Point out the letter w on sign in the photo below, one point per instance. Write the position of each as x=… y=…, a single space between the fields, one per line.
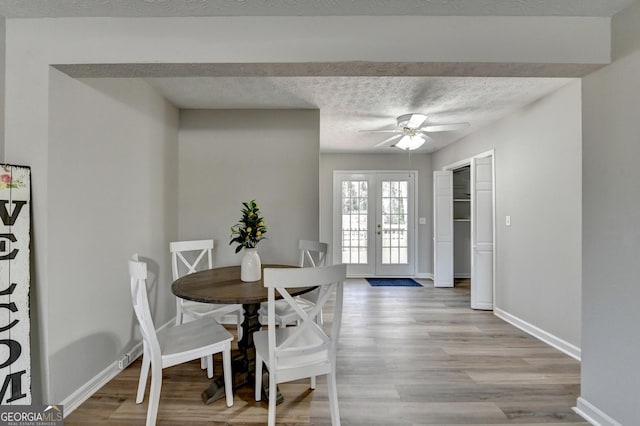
x=15 y=234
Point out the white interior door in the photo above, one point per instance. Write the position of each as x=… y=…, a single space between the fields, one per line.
x=443 y=228
x=482 y=233
x=374 y=229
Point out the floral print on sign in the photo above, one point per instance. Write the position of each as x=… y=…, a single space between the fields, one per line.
x=8 y=180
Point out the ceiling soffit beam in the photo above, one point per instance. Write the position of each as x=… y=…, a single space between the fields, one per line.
x=329 y=69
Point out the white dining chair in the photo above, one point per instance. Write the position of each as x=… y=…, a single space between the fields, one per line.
x=305 y=350
x=312 y=254
x=174 y=345
x=188 y=257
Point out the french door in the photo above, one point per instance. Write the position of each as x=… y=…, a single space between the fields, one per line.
x=374 y=222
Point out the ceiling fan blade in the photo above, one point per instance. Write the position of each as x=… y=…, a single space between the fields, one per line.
x=386 y=141
x=425 y=136
x=416 y=121
x=443 y=127
x=381 y=131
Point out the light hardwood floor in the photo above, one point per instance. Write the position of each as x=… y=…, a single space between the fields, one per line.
x=407 y=356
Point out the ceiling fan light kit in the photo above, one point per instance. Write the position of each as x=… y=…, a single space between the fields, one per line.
x=410 y=142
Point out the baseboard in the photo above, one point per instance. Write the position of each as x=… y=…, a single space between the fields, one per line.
x=593 y=415
x=85 y=392
x=424 y=276
x=461 y=275
x=562 y=345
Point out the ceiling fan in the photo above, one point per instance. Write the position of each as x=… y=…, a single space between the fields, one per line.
x=412 y=131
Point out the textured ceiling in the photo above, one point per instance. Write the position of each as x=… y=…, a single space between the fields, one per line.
x=350 y=104
x=347 y=104
x=167 y=8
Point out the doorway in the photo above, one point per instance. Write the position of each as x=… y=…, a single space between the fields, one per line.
x=462 y=222
x=464 y=227
x=374 y=222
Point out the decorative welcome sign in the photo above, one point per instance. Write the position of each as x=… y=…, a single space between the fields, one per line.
x=15 y=220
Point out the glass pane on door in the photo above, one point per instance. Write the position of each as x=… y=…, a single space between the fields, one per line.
x=355 y=205
x=395 y=222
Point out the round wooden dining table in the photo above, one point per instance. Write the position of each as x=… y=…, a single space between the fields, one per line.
x=223 y=285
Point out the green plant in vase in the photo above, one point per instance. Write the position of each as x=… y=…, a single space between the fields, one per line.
x=250 y=229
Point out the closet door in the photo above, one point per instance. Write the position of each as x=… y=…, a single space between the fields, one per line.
x=443 y=228
x=482 y=233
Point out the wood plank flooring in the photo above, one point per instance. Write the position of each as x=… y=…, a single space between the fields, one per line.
x=407 y=356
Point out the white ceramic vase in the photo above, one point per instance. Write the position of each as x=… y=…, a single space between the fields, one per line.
x=250 y=266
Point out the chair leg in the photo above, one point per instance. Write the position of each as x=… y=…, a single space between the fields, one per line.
x=154 y=394
x=333 y=398
x=179 y=315
x=210 y=366
x=226 y=368
x=273 y=397
x=144 y=374
x=258 y=378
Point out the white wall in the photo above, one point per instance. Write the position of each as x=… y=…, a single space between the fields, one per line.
x=420 y=162
x=611 y=232
x=227 y=157
x=538 y=183
x=112 y=176
x=2 y=84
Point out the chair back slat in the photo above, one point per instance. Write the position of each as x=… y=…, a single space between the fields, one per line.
x=303 y=277
x=313 y=253
x=181 y=265
x=307 y=325
x=308 y=338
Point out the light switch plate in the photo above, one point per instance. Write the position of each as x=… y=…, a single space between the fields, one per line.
x=508 y=221
x=422 y=221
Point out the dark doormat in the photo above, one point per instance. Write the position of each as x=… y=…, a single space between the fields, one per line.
x=393 y=282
